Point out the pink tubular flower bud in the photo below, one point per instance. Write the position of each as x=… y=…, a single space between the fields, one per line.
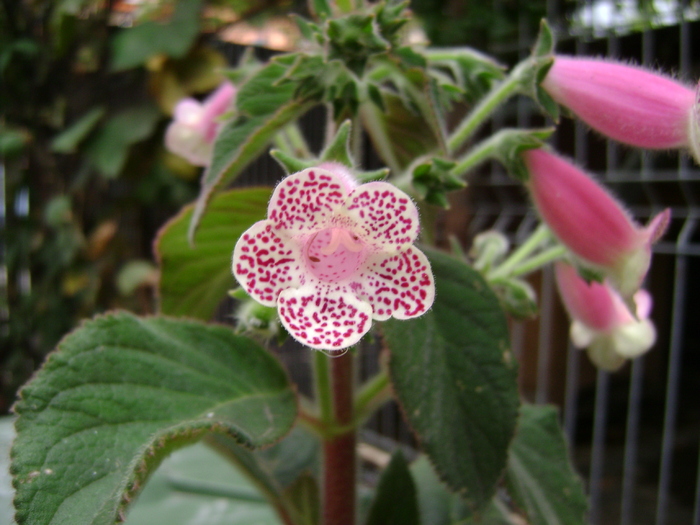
x=590 y=222
x=626 y=103
x=195 y=124
x=601 y=322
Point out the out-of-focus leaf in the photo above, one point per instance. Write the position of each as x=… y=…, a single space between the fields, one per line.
x=395 y=498
x=69 y=139
x=194 y=280
x=108 y=149
x=133 y=47
x=134 y=274
x=195 y=485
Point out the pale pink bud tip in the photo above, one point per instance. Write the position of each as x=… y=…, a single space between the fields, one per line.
x=626 y=103
x=601 y=321
x=590 y=222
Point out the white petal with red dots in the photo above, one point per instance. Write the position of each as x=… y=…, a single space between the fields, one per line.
x=266 y=264
x=383 y=216
x=306 y=201
x=401 y=285
x=328 y=321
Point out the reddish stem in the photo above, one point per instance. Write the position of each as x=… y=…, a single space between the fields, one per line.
x=339 y=452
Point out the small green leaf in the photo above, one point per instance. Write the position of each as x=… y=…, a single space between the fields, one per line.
x=119 y=394
x=68 y=140
x=434 y=179
x=291 y=164
x=395 y=501
x=517 y=296
x=540 y=476
x=455 y=378
x=194 y=280
x=511 y=143
x=544 y=46
x=133 y=47
x=320 y=8
x=338 y=150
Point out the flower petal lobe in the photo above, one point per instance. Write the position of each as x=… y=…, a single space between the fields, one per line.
x=401 y=285
x=329 y=321
x=265 y=264
x=385 y=216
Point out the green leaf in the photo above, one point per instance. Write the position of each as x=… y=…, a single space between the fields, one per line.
x=279 y=471
x=511 y=143
x=194 y=485
x=540 y=477
x=133 y=47
x=264 y=107
x=122 y=392
x=338 y=150
x=395 y=500
x=455 y=377
x=108 y=150
x=194 y=280
x=544 y=46
x=437 y=505
x=69 y=139
x=304 y=500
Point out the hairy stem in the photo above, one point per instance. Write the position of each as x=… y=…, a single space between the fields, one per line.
x=497 y=96
x=339 y=457
x=540 y=235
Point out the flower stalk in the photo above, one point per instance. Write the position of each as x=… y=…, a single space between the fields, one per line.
x=339 y=457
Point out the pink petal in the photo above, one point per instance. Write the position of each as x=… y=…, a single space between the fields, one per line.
x=385 y=217
x=265 y=264
x=401 y=285
x=627 y=103
x=596 y=305
x=188 y=142
x=324 y=320
x=305 y=202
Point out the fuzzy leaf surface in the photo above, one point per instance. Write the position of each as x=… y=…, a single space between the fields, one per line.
x=121 y=393
x=195 y=279
x=455 y=378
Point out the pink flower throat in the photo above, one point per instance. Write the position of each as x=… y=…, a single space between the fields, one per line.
x=334 y=254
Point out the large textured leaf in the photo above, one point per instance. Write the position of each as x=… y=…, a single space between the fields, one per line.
x=264 y=107
x=194 y=279
x=122 y=392
x=455 y=377
x=395 y=500
x=540 y=476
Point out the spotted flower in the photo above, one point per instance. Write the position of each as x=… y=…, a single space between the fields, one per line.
x=332 y=255
x=195 y=124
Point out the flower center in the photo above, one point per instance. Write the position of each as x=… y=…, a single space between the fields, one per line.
x=334 y=254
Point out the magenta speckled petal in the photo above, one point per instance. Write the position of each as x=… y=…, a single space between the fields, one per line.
x=401 y=285
x=306 y=201
x=384 y=216
x=266 y=264
x=324 y=320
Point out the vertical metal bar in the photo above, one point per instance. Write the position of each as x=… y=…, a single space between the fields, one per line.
x=573 y=359
x=595 y=487
x=629 y=468
x=674 y=368
x=696 y=518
